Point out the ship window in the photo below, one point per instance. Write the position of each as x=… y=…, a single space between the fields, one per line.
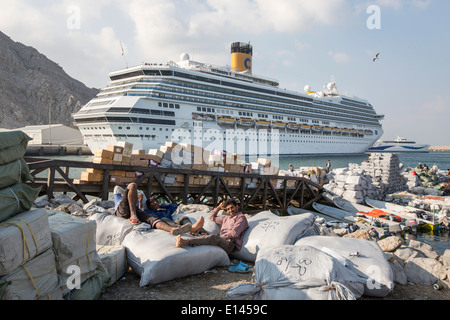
x=199 y=109
x=204 y=109
x=177 y=106
x=165 y=105
x=171 y=105
x=159 y=104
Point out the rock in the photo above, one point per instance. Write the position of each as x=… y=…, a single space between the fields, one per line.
x=406 y=253
x=41 y=202
x=76 y=210
x=358 y=234
x=397 y=266
x=390 y=244
x=423 y=247
x=445 y=259
x=424 y=271
x=31 y=84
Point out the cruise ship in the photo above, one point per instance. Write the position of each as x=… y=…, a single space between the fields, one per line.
x=399 y=145
x=225 y=108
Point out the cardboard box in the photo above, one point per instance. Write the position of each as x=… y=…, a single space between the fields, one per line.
x=138 y=151
x=102 y=160
x=117 y=157
x=102 y=153
x=91 y=177
x=120 y=173
x=126 y=160
x=115 y=149
x=94 y=170
x=127 y=147
x=265 y=162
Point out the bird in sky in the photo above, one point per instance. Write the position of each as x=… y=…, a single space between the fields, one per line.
x=376 y=57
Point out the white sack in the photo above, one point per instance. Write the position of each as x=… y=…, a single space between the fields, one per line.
x=23 y=237
x=267 y=230
x=299 y=273
x=364 y=257
x=154 y=256
x=111 y=229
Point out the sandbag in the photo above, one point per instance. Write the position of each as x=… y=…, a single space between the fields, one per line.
x=267 y=230
x=22 y=238
x=16 y=199
x=14 y=172
x=364 y=257
x=292 y=272
x=154 y=256
x=37 y=279
x=73 y=237
x=111 y=229
x=114 y=259
x=13 y=145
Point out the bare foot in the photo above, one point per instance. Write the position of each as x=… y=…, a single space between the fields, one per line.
x=182 y=242
x=196 y=227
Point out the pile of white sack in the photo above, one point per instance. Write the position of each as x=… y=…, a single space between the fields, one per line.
x=380 y=175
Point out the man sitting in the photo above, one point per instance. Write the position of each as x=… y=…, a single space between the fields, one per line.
x=129 y=206
x=231 y=233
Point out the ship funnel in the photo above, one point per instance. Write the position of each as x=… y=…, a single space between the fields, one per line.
x=241 y=57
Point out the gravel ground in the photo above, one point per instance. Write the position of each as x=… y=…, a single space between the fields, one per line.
x=214 y=284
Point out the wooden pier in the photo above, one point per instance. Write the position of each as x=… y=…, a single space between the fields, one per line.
x=302 y=193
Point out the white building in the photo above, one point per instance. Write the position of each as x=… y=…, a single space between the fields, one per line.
x=55 y=134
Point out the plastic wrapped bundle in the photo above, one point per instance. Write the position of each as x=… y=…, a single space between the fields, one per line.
x=14 y=172
x=37 y=279
x=13 y=145
x=16 y=199
x=22 y=238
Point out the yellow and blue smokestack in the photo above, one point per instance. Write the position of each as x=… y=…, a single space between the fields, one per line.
x=241 y=57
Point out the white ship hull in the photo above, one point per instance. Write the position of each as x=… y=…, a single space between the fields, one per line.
x=194 y=103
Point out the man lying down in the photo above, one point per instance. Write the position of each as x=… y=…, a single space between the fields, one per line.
x=129 y=205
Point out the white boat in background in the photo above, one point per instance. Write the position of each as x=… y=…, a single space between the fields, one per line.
x=398 y=145
x=425 y=219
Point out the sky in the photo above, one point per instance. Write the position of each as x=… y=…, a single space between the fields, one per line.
x=297 y=42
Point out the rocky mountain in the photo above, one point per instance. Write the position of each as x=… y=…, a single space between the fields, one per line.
x=30 y=84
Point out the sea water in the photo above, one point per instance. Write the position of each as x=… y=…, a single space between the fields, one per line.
x=439 y=240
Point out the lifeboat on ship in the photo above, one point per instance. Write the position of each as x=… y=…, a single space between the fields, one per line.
x=278 y=125
x=246 y=122
x=226 y=121
x=305 y=127
x=316 y=128
x=293 y=126
x=262 y=123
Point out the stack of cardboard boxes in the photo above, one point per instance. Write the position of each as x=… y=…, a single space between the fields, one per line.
x=180 y=156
